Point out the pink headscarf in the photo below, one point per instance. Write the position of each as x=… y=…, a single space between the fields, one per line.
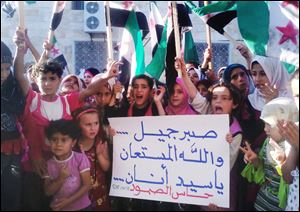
x=184 y=108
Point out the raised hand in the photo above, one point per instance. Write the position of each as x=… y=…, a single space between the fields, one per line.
x=180 y=66
x=229 y=138
x=250 y=155
x=290 y=132
x=269 y=92
x=159 y=93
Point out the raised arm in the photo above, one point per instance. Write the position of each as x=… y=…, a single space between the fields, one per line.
x=113 y=71
x=159 y=93
x=19 y=40
x=191 y=89
x=33 y=50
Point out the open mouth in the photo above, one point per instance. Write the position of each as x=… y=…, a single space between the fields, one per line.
x=218 y=110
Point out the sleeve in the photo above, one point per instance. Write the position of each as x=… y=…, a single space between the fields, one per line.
x=255 y=175
x=234 y=149
x=84 y=164
x=200 y=104
x=28 y=101
x=73 y=100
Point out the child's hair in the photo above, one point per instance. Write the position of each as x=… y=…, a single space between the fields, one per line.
x=205 y=82
x=83 y=110
x=63 y=126
x=47 y=66
x=234 y=92
x=145 y=77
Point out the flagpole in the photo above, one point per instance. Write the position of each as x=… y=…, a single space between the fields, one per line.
x=51 y=32
x=176 y=31
x=21 y=19
x=208 y=40
x=226 y=35
x=108 y=31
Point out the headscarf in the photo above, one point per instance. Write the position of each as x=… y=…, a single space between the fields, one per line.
x=6 y=55
x=92 y=71
x=80 y=85
x=227 y=75
x=110 y=82
x=276 y=74
x=184 y=108
x=280 y=108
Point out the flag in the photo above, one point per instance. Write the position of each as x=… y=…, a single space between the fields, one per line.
x=184 y=23
x=158 y=31
x=156 y=26
x=216 y=15
x=9 y=7
x=119 y=16
x=132 y=50
x=271 y=29
x=157 y=65
x=189 y=48
x=56 y=54
x=58 y=10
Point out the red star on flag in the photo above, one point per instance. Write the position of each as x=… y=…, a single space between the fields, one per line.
x=54 y=51
x=289 y=32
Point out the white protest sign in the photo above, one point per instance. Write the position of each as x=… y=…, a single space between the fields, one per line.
x=181 y=159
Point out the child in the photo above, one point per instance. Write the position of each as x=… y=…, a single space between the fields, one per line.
x=222 y=99
x=12 y=105
x=68 y=179
x=270 y=79
x=89 y=74
x=87 y=118
x=178 y=102
x=70 y=83
x=265 y=168
x=203 y=86
x=43 y=107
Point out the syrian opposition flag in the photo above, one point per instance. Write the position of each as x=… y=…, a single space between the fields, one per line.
x=189 y=49
x=216 y=15
x=58 y=10
x=132 y=50
x=185 y=24
x=158 y=31
x=119 y=16
x=56 y=54
x=156 y=26
x=271 y=28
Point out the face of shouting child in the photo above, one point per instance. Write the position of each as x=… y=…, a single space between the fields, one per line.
x=141 y=93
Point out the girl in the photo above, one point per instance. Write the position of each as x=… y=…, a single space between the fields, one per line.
x=89 y=74
x=265 y=168
x=12 y=106
x=225 y=99
x=222 y=99
x=69 y=172
x=70 y=83
x=203 y=86
x=270 y=79
x=178 y=101
x=87 y=118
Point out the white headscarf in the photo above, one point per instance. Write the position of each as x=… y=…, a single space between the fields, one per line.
x=278 y=109
x=110 y=82
x=276 y=74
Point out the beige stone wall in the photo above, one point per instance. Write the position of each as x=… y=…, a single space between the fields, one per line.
x=37 y=20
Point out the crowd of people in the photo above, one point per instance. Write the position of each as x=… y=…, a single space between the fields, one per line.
x=57 y=144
